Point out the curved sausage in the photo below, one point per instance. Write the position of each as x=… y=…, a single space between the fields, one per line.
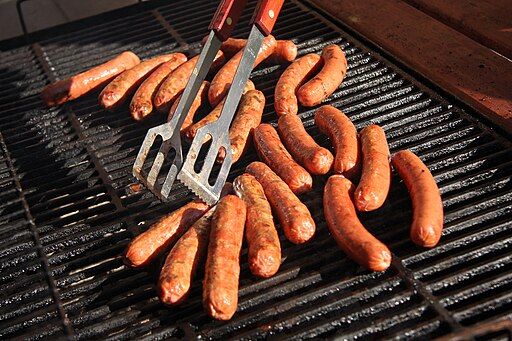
x=294 y=217
x=285 y=100
x=222 y=80
x=343 y=136
x=247 y=118
x=317 y=160
x=375 y=180
x=142 y=102
x=427 y=206
x=176 y=82
x=87 y=81
x=264 y=248
x=347 y=230
x=148 y=245
x=327 y=80
x=201 y=98
x=274 y=154
x=222 y=269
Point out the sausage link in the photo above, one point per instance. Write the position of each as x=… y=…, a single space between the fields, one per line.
x=327 y=80
x=201 y=98
x=317 y=160
x=148 y=245
x=285 y=100
x=294 y=217
x=87 y=81
x=427 y=206
x=142 y=102
x=343 y=136
x=347 y=230
x=222 y=80
x=222 y=270
x=264 y=253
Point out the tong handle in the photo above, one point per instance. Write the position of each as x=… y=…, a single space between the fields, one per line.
x=226 y=17
x=266 y=14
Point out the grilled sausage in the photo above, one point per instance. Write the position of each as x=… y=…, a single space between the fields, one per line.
x=247 y=118
x=293 y=215
x=222 y=80
x=181 y=263
x=375 y=180
x=427 y=206
x=176 y=82
x=201 y=98
x=343 y=135
x=302 y=147
x=347 y=230
x=285 y=99
x=148 y=245
x=87 y=81
x=264 y=254
x=327 y=80
x=220 y=289
x=274 y=154
x=142 y=102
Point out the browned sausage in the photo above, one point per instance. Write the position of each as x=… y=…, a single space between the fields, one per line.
x=201 y=98
x=222 y=80
x=302 y=147
x=148 y=245
x=264 y=253
x=176 y=82
x=274 y=154
x=285 y=99
x=87 y=81
x=427 y=206
x=293 y=215
x=247 y=118
x=343 y=135
x=181 y=263
x=220 y=288
x=191 y=132
x=347 y=230
x=375 y=180
x=327 y=80
x=142 y=102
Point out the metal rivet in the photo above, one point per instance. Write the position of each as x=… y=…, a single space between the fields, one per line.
x=271 y=14
x=229 y=21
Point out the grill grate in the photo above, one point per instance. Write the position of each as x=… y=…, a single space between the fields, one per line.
x=67 y=210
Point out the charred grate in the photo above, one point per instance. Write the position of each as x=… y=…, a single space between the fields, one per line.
x=67 y=210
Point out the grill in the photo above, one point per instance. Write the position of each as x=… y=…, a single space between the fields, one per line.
x=67 y=210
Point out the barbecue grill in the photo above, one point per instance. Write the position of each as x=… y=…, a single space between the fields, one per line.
x=68 y=206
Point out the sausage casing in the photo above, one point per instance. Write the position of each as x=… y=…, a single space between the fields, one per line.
x=201 y=98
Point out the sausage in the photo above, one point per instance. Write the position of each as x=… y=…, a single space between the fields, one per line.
x=88 y=81
x=347 y=230
x=222 y=270
x=317 y=160
x=264 y=248
x=148 y=245
x=247 y=118
x=142 y=102
x=176 y=82
x=124 y=85
x=343 y=136
x=191 y=132
x=201 y=98
x=274 y=154
x=427 y=206
x=285 y=99
x=294 y=217
x=327 y=80
x=222 y=80
x=375 y=180
x=181 y=263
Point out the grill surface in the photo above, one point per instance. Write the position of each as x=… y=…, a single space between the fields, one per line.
x=67 y=210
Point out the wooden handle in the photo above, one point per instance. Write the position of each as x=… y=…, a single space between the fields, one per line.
x=226 y=17
x=266 y=14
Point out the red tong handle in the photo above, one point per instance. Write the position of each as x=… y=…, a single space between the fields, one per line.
x=266 y=14
x=226 y=17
